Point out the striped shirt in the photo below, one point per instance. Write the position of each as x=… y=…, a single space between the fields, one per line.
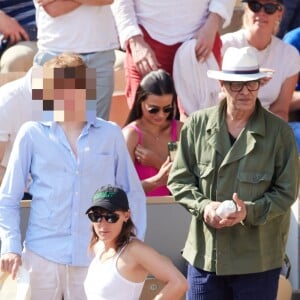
x=22 y=10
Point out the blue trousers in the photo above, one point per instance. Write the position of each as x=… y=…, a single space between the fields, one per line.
x=209 y=286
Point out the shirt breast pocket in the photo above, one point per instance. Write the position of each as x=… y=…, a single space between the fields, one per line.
x=99 y=165
x=252 y=185
x=204 y=172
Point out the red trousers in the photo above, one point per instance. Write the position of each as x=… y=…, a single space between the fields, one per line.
x=165 y=55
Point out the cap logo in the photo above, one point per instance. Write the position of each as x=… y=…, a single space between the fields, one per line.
x=104 y=194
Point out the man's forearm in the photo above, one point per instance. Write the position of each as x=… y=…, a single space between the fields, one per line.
x=60 y=7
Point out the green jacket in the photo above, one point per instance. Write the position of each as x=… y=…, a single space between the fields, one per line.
x=262 y=166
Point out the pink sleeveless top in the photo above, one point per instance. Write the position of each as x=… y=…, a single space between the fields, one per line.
x=147 y=171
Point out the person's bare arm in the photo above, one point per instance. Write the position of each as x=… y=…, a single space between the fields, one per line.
x=205 y=36
x=162 y=268
x=281 y=106
x=295 y=104
x=143 y=56
x=56 y=8
x=95 y=2
x=10 y=28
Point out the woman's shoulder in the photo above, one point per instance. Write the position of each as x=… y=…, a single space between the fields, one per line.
x=131 y=131
x=135 y=246
x=284 y=48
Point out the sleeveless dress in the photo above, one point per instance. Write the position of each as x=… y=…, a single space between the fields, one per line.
x=148 y=171
x=104 y=282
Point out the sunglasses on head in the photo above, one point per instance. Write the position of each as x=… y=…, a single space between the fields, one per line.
x=269 y=8
x=155 y=109
x=97 y=217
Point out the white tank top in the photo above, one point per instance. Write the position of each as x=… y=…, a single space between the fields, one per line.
x=104 y=282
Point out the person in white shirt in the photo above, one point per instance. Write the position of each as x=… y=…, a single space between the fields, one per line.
x=121 y=261
x=64 y=158
x=85 y=27
x=15 y=109
x=261 y=21
x=152 y=31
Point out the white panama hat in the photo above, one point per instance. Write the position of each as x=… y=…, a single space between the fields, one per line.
x=239 y=64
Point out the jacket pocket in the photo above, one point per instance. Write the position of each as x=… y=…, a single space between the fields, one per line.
x=252 y=185
x=204 y=172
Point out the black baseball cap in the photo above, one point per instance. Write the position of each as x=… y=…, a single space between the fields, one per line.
x=110 y=198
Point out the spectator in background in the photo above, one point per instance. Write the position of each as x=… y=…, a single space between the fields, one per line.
x=15 y=109
x=85 y=27
x=149 y=128
x=18 y=34
x=58 y=232
x=261 y=19
x=122 y=262
x=152 y=31
x=293 y=38
x=240 y=151
x=291 y=17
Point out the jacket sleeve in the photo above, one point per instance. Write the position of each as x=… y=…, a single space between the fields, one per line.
x=283 y=191
x=183 y=179
x=126 y=20
x=127 y=178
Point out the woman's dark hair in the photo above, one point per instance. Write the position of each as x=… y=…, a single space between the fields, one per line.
x=128 y=230
x=157 y=83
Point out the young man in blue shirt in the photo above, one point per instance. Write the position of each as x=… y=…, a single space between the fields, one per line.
x=67 y=159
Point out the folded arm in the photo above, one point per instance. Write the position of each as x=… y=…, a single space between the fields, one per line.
x=280 y=107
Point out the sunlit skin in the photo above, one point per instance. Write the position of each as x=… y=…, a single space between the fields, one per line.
x=108 y=232
x=154 y=125
x=159 y=118
x=262 y=22
x=156 y=133
x=137 y=259
x=241 y=104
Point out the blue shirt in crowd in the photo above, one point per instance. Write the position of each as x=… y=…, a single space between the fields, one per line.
x=62 y=186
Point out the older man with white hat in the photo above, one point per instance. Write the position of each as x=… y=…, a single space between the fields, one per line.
x=236 y=151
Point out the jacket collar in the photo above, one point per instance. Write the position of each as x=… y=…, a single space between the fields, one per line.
x=217 y=133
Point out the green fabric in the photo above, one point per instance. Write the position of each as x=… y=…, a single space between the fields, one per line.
x=262 y=166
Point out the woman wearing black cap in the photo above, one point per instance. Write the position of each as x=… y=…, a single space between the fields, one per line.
x=122 y=262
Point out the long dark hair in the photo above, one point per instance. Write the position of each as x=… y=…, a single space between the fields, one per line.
x=157 y=83
x=127 y=232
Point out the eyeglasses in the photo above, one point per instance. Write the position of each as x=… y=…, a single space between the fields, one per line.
x=97 y=217
x=269 y=8
x=237 y=86
x=156 y=109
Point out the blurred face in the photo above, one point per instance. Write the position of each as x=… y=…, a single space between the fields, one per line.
x=263 y=14
x=62 y=97
x=241 y=96
x=156 y=109
x=109 y=224
x=69 y=103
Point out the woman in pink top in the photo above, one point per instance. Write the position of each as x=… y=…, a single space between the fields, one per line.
x=149 y=128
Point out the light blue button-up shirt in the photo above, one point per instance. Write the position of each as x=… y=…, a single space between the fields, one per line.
x=62 y=187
